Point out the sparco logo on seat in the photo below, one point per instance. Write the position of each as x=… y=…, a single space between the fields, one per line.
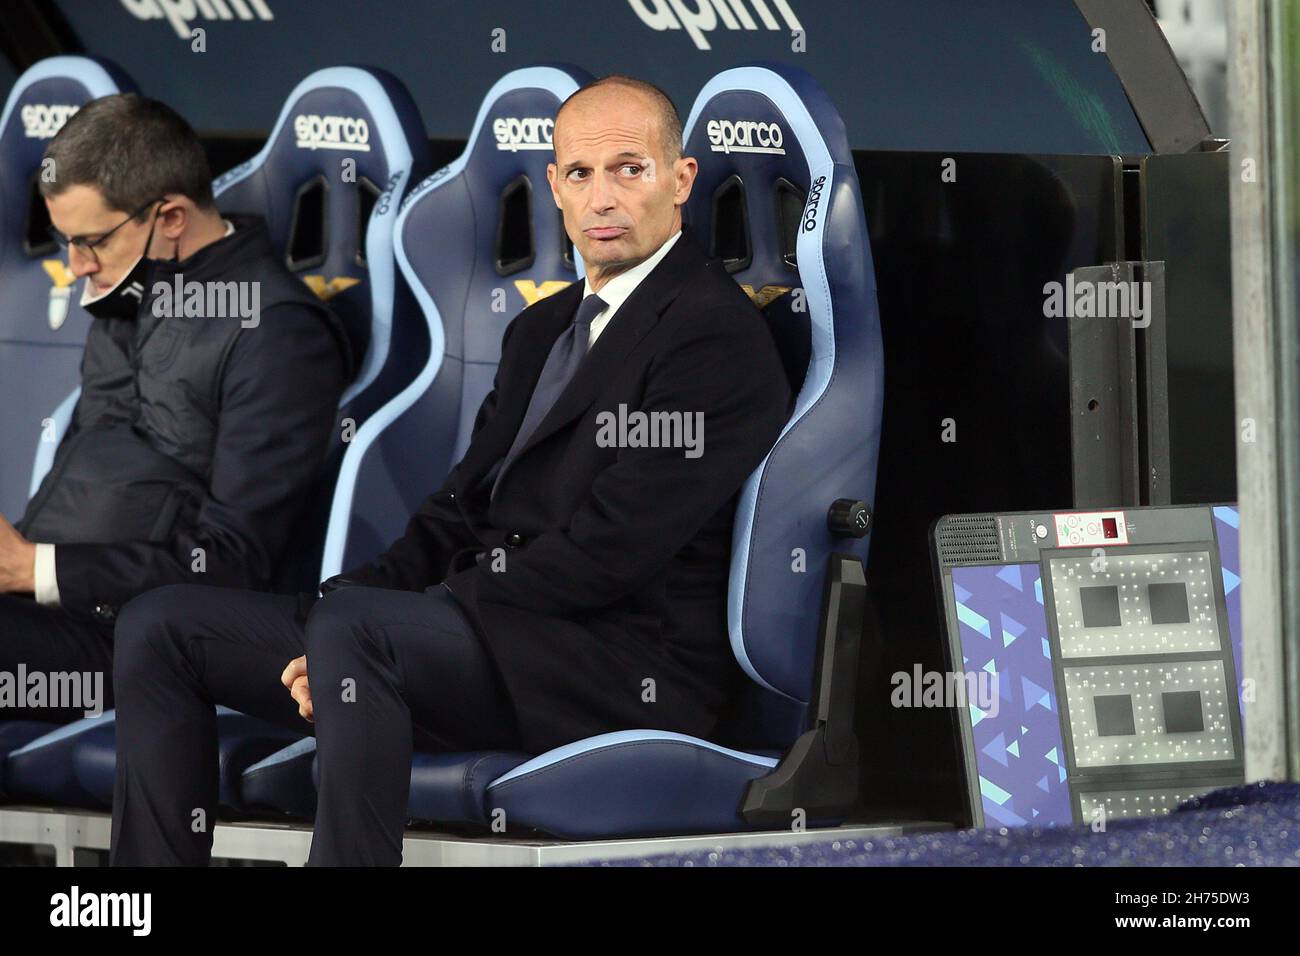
x=41 y=121
x=814 y=199
x=745 y=136
x=331 y=132
x=529 y=132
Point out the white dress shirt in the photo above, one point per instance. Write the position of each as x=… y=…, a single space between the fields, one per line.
x=615 y=292
x=45 y=573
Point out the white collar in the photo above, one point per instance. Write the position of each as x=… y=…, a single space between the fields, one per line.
x=230 y=228
x=615 y=292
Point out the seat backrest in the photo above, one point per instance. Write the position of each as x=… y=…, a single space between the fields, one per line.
x=477 y=241
x=777 y=198
x=329 y=182
x=42 y=329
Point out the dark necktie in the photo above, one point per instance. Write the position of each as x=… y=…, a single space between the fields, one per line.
x=561 y=364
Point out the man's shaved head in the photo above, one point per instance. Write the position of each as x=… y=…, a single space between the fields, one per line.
x=670 y=123
x=619 y=175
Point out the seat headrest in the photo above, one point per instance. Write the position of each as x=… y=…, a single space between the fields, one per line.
x=487 y=222
x=764 y=136
x=39 y=104
x=329 y=183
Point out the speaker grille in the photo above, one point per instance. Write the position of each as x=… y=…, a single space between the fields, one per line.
x=969 y=539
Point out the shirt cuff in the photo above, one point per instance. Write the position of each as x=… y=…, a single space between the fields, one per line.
x=47 y=580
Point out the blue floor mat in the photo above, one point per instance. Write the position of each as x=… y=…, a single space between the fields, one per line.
x=1252 y=825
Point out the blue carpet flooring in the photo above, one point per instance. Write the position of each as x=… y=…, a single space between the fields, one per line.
x=1252 y=825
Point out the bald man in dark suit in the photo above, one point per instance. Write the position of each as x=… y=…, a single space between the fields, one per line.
x=577 y=556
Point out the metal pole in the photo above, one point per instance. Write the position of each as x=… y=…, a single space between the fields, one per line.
x=1266 y=346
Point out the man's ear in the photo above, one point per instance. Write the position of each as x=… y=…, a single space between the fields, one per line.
x=173 y=217
x=685 y=170
x=551 y=170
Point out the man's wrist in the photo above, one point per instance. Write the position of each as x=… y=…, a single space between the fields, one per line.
x=27 y=560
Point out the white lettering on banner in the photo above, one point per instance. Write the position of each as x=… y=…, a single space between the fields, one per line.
x=180 y=13
x=700 y=17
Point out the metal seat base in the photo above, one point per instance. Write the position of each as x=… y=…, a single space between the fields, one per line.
x=68 y=831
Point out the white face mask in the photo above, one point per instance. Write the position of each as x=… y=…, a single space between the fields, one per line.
x=123 y=300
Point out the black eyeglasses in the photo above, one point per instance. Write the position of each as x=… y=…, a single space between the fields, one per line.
x=87 y=246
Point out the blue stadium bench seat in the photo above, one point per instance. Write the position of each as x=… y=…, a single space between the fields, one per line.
x=42 y=327
x=329 y=182
x=40 y=770
x=782 y=206
x=778 y=199
x=477 y=241
x=334 y=224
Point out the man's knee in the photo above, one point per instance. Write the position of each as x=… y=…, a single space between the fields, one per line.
x=337 y=623
x=148 y=624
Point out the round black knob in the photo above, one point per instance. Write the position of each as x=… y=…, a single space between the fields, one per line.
x=849 y=518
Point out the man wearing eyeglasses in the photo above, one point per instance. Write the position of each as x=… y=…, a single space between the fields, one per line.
x=195 y=437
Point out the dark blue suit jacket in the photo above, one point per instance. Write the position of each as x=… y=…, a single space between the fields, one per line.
x=605 y=608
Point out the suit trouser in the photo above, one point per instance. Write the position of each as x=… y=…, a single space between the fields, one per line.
x=50 y=641
x=386 y=669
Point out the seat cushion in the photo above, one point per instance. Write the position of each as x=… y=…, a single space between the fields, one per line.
x=15 y=734
x=74 y=765
x=451 y=787
x=445 y=788
x=283 y=781
x=630 y=783
x=241 y=741
x=43 y=768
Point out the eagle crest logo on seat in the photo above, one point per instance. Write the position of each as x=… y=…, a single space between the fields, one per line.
x=60 y=291
x=533 y=292
x=766 y=295
x=327 y=289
